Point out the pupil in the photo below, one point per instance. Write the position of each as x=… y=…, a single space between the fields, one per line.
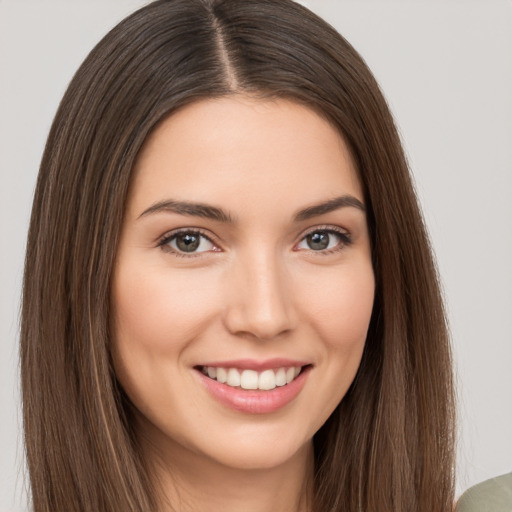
x=187 y=242
x=318 y=240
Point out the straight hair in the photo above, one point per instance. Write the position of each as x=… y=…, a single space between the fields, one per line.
x=388 y=446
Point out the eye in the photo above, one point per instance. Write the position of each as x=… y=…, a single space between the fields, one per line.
x=187 y=242
x=324 y=240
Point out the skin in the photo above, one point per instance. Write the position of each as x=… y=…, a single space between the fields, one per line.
x=257 y=290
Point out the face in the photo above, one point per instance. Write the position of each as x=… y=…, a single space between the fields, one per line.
x=243 y=285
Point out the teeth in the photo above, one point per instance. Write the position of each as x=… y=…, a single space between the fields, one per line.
x=267 y=380
x=251 y=379
x=233 y=378
x=222 y=375
x=281 y=377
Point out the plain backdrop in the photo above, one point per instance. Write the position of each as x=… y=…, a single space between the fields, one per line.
x=445 y=67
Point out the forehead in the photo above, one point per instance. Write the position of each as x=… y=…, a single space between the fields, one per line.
x=237 y=150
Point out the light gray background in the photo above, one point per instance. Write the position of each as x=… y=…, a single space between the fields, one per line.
x=446 y=69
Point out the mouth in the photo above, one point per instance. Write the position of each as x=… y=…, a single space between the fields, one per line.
x=250 y=379
x=254 y=387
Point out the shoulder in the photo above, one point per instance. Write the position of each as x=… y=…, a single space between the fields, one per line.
x=494 y=495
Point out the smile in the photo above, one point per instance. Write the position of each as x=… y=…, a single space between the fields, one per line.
x=251 y=379
x=254 y=387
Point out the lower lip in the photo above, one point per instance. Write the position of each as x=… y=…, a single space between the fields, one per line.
x=255 y=401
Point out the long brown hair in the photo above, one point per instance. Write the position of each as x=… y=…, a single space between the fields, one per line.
x=389 y=444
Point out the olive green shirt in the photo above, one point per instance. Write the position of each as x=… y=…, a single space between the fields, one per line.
x=494 y=495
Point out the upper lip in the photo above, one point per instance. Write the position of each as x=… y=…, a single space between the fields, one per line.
x=257 y=365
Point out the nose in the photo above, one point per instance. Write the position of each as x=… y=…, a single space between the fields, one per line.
x=260 y=301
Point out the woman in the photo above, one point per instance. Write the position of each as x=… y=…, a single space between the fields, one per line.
x=228 y=283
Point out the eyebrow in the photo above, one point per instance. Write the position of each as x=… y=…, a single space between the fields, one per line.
x=207 y=211
x=329 y=206
x=190 y=209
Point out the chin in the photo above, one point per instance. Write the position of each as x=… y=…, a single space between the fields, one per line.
x=261 y=456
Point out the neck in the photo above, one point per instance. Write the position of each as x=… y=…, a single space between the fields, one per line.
x=191 y=483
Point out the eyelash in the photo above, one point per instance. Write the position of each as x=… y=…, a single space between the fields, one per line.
x=345 y=240
x=169 y=237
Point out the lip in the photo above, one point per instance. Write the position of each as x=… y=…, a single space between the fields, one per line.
x=253 y=364
x=254 y=401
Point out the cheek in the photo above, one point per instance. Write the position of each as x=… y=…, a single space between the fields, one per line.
x=342 y=316
x=157 y=314
x=159 y=311
x=341 y=308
